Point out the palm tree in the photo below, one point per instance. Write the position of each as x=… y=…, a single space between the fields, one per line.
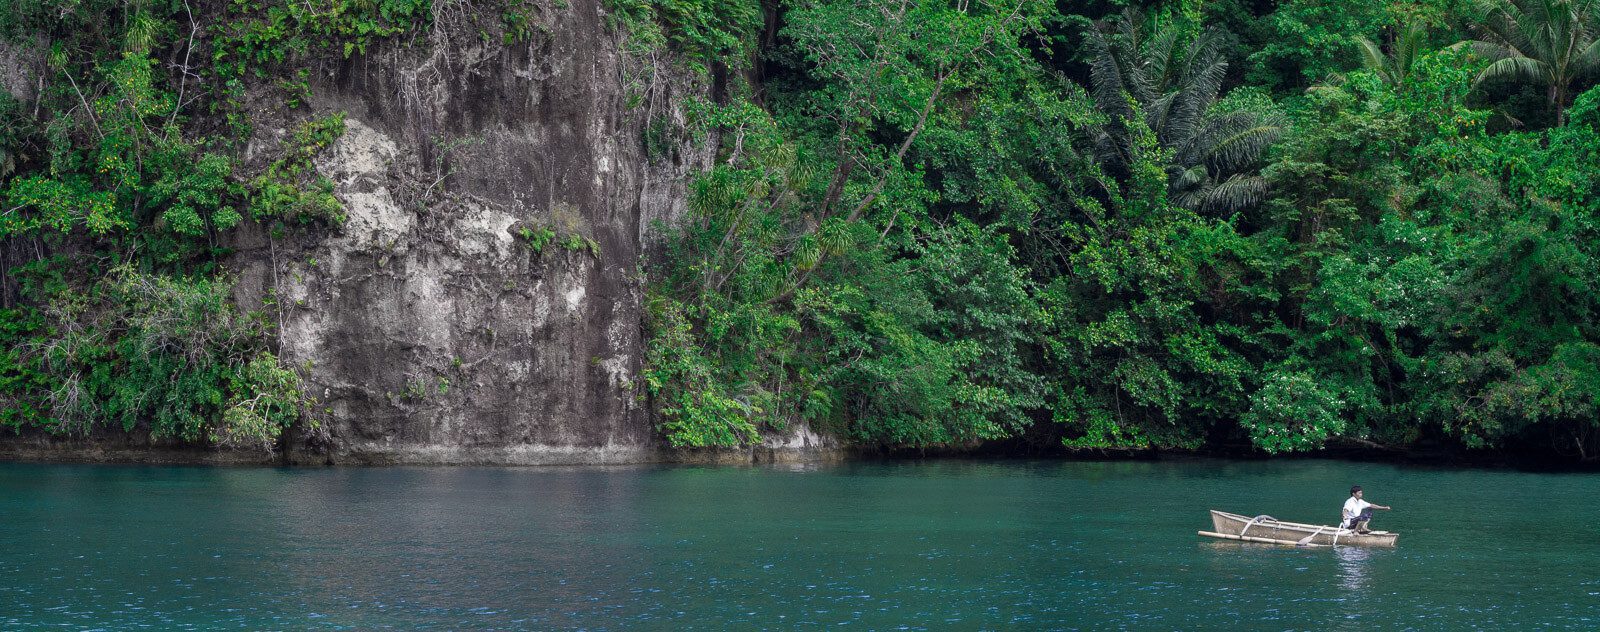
x=1542 y=41
x=1172 y=86
x=1407 y=47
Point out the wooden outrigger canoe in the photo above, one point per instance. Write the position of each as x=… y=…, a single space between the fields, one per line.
x=1269 y=530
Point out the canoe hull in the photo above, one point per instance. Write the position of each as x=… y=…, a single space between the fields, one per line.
x=1235 y=527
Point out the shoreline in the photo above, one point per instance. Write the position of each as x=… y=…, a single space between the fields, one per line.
x=128 y=451
x=122 y=449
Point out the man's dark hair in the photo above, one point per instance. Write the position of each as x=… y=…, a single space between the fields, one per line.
x=1354 y=489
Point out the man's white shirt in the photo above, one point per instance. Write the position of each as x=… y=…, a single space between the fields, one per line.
x=1353 y=507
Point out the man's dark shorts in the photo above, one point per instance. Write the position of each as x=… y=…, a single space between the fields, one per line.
x=1366 y=514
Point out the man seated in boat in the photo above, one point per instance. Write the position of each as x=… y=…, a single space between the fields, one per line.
x=1357 y=512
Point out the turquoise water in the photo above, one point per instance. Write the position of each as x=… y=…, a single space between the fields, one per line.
x=943 y=545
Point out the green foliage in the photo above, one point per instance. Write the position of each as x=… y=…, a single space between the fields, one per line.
x=135 y=350
x=1292 y=412
x=1167 y=85
x=932 y=352
x=269 y=399
x=928 y=223
x=578 y=243
x=290 y=188
x=1547 y=42
x=536 y=237
x=1312 y=40
x=299 y=88
x=698 y=410
x=811 y=283
x=119 y=182
x=259 y=34
x=938 y=249
x=42 y=203
x=1421 y=313
x=704 y=31
x=1396 y=67
x=1151 y=326
x=123 y=172
x=519 y=21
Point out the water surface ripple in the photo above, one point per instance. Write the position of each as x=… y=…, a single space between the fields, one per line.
x=940 y=545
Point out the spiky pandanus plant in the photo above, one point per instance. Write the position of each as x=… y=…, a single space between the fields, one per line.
x=1540 y=41
x=1170 y=84
x=1393 y=69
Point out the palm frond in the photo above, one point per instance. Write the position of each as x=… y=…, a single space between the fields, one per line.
x=1372 y=57
x=1158 y=115
x=1207 y=68
x=1515 y=69
x=1491 y=50
x=1107 y=84
x=1162 y=59
x=1588 y=60
x=1188 y=179
x=1408 y=49
x=1513 y=26
x=1235 y=193
x=1108 y=147
x=1243 y=146
x=1171 y=87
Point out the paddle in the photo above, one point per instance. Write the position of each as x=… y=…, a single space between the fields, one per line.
x=1307 y=540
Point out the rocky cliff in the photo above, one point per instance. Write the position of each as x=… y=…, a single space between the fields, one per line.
x=482 y=301
x=432 y=333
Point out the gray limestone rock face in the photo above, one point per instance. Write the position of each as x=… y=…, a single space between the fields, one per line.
x=428 y=329
x=22 y=68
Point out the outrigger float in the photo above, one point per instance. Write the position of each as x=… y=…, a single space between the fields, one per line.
x=1269 y=530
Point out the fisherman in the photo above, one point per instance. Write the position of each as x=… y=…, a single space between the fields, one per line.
x=1358 y=512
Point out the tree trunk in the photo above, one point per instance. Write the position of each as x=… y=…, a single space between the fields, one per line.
x=1558 y=101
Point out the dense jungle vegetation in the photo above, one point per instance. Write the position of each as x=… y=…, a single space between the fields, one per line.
x=1147 y=225
x=1175 y=224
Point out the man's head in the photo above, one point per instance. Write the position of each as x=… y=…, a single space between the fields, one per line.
x=1355 y=490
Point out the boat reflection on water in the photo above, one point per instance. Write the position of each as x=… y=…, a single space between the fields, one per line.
x=1353 y=567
